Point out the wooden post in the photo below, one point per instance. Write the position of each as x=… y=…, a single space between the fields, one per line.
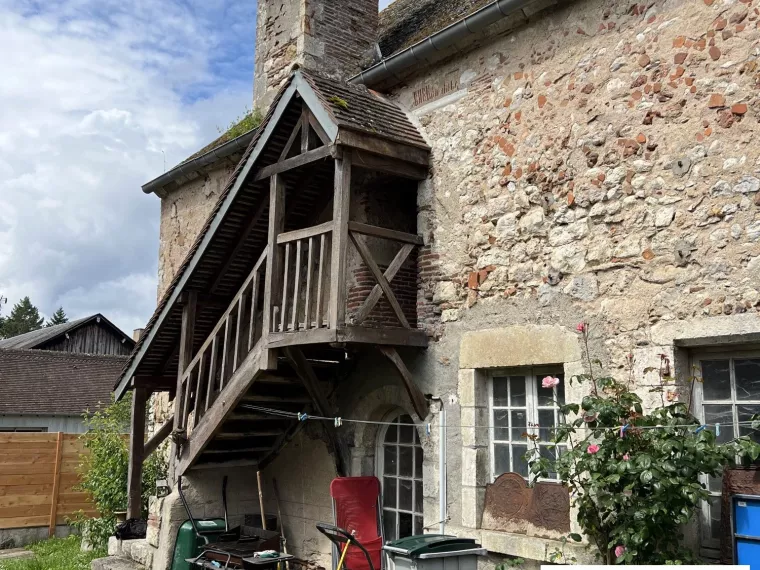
x=341 y=212
x=272 y=282
x=187 y=334
x=136 y=453
x=56 y=484
x=261 y=501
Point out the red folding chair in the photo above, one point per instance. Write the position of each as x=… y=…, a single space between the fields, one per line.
x=356 y=508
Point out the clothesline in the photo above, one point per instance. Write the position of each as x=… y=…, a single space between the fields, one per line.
x=339 y=421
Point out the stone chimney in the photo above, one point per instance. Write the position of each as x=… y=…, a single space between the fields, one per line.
x=137 y=333
x=329 y=36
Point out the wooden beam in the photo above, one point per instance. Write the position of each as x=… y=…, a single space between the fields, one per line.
x=157 y=439
x=366 y=255
x=136 y=449
x=155 y=383
x=295 y=162
x=304 y=233
x=415 y=394
x=393 y=336
x=226 y=402
x=389 y=165
x=56 y=485
x=385 y=147
x=384 y=233
x=377 y=290
x=272 y=283
x=311 y=336
x=305 y=114
x=341 y=213
x=291 y=140
x=187 y=334
x=310 y=381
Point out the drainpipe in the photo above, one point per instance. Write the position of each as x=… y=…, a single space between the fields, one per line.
x=442 y=468
x=392 y=67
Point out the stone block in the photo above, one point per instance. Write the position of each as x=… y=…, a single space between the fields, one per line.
x=520 y=545
x=523 y=345
x=473 y=499
x=476 y=470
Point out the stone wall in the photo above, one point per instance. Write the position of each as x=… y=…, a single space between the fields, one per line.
x=326 y=36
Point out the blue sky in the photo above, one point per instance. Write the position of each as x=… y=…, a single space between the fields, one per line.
x=96 y=96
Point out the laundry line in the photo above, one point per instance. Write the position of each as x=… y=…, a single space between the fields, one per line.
x=339 y=421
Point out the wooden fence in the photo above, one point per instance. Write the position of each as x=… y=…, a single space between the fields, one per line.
x=38 y=476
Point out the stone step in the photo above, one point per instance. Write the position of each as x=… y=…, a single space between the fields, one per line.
x=15 y=553
x=115 y=563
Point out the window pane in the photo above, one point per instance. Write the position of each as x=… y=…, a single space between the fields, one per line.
x=405 y=460
x=747 y=379
x=389 y=458
x=418 y=462
x=517 y=390
x=405 y=525
x=418 y=525
x=717 y=380
x=715 y=484
x=405 y=494
x=519 y=425
x=389 y=492
x=545 y=424
x=500 y=397
x=721 y=414
x=549 y=453
x=715 y=509
x=545 y=395
x=391 y=436
x=406 y=433
x=521 y=465
x=745 y=413
x=389 y=525
x=501 y=459
x=501 y=423
x=418 y=497
x=560 y=389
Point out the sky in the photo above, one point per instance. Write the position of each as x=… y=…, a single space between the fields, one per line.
x=98 y=97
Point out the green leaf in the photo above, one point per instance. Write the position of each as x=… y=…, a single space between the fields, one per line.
x=646 y=477
x=576 y=537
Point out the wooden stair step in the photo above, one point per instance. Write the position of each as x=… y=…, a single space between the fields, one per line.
x=275 y=399
x=249 y=434
x=239 y=450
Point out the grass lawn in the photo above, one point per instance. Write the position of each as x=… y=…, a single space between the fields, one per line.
x=55 y=554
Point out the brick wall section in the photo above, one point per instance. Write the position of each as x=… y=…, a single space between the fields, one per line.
x=347 y=29
x=404 y=286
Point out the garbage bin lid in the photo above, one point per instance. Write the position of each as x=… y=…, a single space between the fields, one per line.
x=421 y=544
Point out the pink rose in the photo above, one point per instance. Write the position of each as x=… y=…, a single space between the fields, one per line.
x=549 y=382
x=593 y=449
x=619 y=551
x=626 y=457
x=581 y=327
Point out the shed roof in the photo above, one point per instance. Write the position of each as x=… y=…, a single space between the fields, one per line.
x=337 y=106
x=53 y=383
x=40 y=337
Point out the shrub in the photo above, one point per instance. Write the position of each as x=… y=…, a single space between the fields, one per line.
x=103 y=471
x=635 y=476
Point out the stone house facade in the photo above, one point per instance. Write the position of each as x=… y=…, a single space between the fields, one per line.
x=593 y=160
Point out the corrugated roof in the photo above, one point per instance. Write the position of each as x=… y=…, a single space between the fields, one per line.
x=46 y=382
x=406 y=22
x=40 y=337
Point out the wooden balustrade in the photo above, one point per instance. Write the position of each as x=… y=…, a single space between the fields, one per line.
x=306 y=279
x=233 y=337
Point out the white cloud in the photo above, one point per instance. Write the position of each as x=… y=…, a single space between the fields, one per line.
x=94 y=94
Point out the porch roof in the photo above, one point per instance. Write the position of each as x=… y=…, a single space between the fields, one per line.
x=225 y=248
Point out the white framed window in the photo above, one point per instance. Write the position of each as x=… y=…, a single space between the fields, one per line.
x=399 y=468
x=727 y=393
x=520 y=407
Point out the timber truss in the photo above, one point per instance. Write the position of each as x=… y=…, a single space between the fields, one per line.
x=258 y=317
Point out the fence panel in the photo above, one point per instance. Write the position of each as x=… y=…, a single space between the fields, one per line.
x=38 y=479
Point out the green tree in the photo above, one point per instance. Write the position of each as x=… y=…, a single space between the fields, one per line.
x=23 y=318
x=103 y=471
x=58 y=318
x=635 y=476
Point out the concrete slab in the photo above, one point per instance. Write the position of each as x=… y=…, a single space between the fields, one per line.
x=15 y=553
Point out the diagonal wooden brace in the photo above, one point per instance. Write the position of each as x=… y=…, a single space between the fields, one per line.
x=419 y=402
x=383 y=285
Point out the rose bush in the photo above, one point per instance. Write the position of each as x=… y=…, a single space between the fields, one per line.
x=634 y=476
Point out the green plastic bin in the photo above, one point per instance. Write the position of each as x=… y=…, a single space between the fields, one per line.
x=188 y=545
x=432 y=552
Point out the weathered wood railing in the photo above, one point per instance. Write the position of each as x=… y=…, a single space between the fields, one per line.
x=233 y=337
x=408 y=243
x=306 y=279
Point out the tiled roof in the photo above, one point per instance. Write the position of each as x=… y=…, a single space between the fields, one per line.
x=406 y=22
x=56 y=383
x=357 y=108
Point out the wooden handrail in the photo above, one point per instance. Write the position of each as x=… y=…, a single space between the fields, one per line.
x=223 y=319
x=305 y=233
x=385 y=233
